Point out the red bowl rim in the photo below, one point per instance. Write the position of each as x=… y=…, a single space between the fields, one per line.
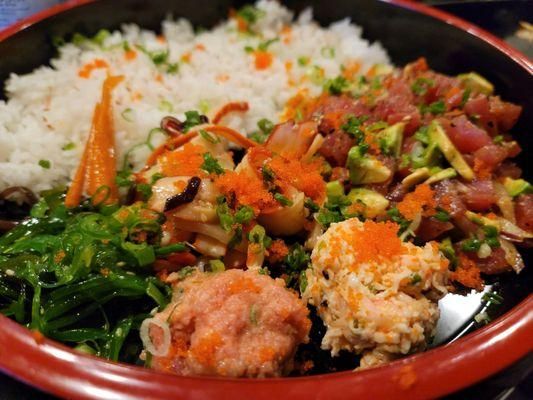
x=58 y=369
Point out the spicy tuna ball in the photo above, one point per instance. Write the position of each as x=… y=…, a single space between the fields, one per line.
x=232 y=323
x=376 y=294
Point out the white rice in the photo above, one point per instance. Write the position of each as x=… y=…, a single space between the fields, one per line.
x=52 y=107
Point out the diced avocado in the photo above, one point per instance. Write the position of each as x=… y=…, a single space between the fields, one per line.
x=428 y=157
x=476 y=83
x=447 y=173
x=392 y=137
x=481 y=220
x=374 y=203
x=446 y=248
x=334 y=189
x=382 y=69
x=516 y=187
x=417 y=176
x=365 y=169
x=454 y=157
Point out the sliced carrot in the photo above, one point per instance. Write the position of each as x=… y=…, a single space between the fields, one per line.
x=263 y=59
x=97 y=167
x=75 y=190
x=130 y=55
x=228 y=108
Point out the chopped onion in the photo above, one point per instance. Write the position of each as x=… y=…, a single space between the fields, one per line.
x=512 y=256
x=513 y=232
x=315 y=233
x=147 y=341
x=209 y=246
x=255 y=259
x=413 y=227
x=505 y=202
x=315 y=146
x=484 y=251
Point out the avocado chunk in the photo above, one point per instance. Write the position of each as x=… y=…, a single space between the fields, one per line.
x=374 y=203
x=446 y=248
x=481 y=220
x=382 y=69
x=391 y=138
x=476 y=83
x=417 y=176
x=447 y=173
x=517 y=187
x=454 y=157
x=334 y=189
x=365 y=169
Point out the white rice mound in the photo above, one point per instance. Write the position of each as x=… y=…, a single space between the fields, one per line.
x=48 y=112
x=381 y=310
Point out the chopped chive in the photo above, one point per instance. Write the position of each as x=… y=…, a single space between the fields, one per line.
x=282 y=200
x=45 y=164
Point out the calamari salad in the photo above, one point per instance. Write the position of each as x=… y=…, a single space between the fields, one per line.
x=329 y=234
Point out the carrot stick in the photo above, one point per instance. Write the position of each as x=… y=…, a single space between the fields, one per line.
x=101 y=167
x=75 y=190
x=228 y=108
x=97 y=167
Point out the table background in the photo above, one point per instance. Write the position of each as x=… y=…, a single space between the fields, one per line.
x=501 y=17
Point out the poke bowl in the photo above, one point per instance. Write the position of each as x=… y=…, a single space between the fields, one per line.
x=210 y=199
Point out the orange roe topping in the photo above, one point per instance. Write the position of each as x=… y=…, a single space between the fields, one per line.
x=482 y=170
x=263 y=59
x=186 y=57
x=288 y=66
x=307 y=365
x=242 y=25
x=420 y=201
x=161 y=39
x=87 y=69
x=180 y=185
x=375 y=241
x=222 y=78
x=286 y=32
x=277 y=251
x=136 y=96
x=204 y=350
x=185 y=161
x=351 y=69
x=37 y=336
x=454 y=91
x=247 y=188
x=446 y=203
x=300 y=103
x=304 y=176
x=243 y=285
x=59 y=256
x=266 y=354
x=130 y=55
x=467 y=274
x=200 y=47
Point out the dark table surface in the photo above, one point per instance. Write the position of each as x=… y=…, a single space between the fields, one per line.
x=501 y=17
